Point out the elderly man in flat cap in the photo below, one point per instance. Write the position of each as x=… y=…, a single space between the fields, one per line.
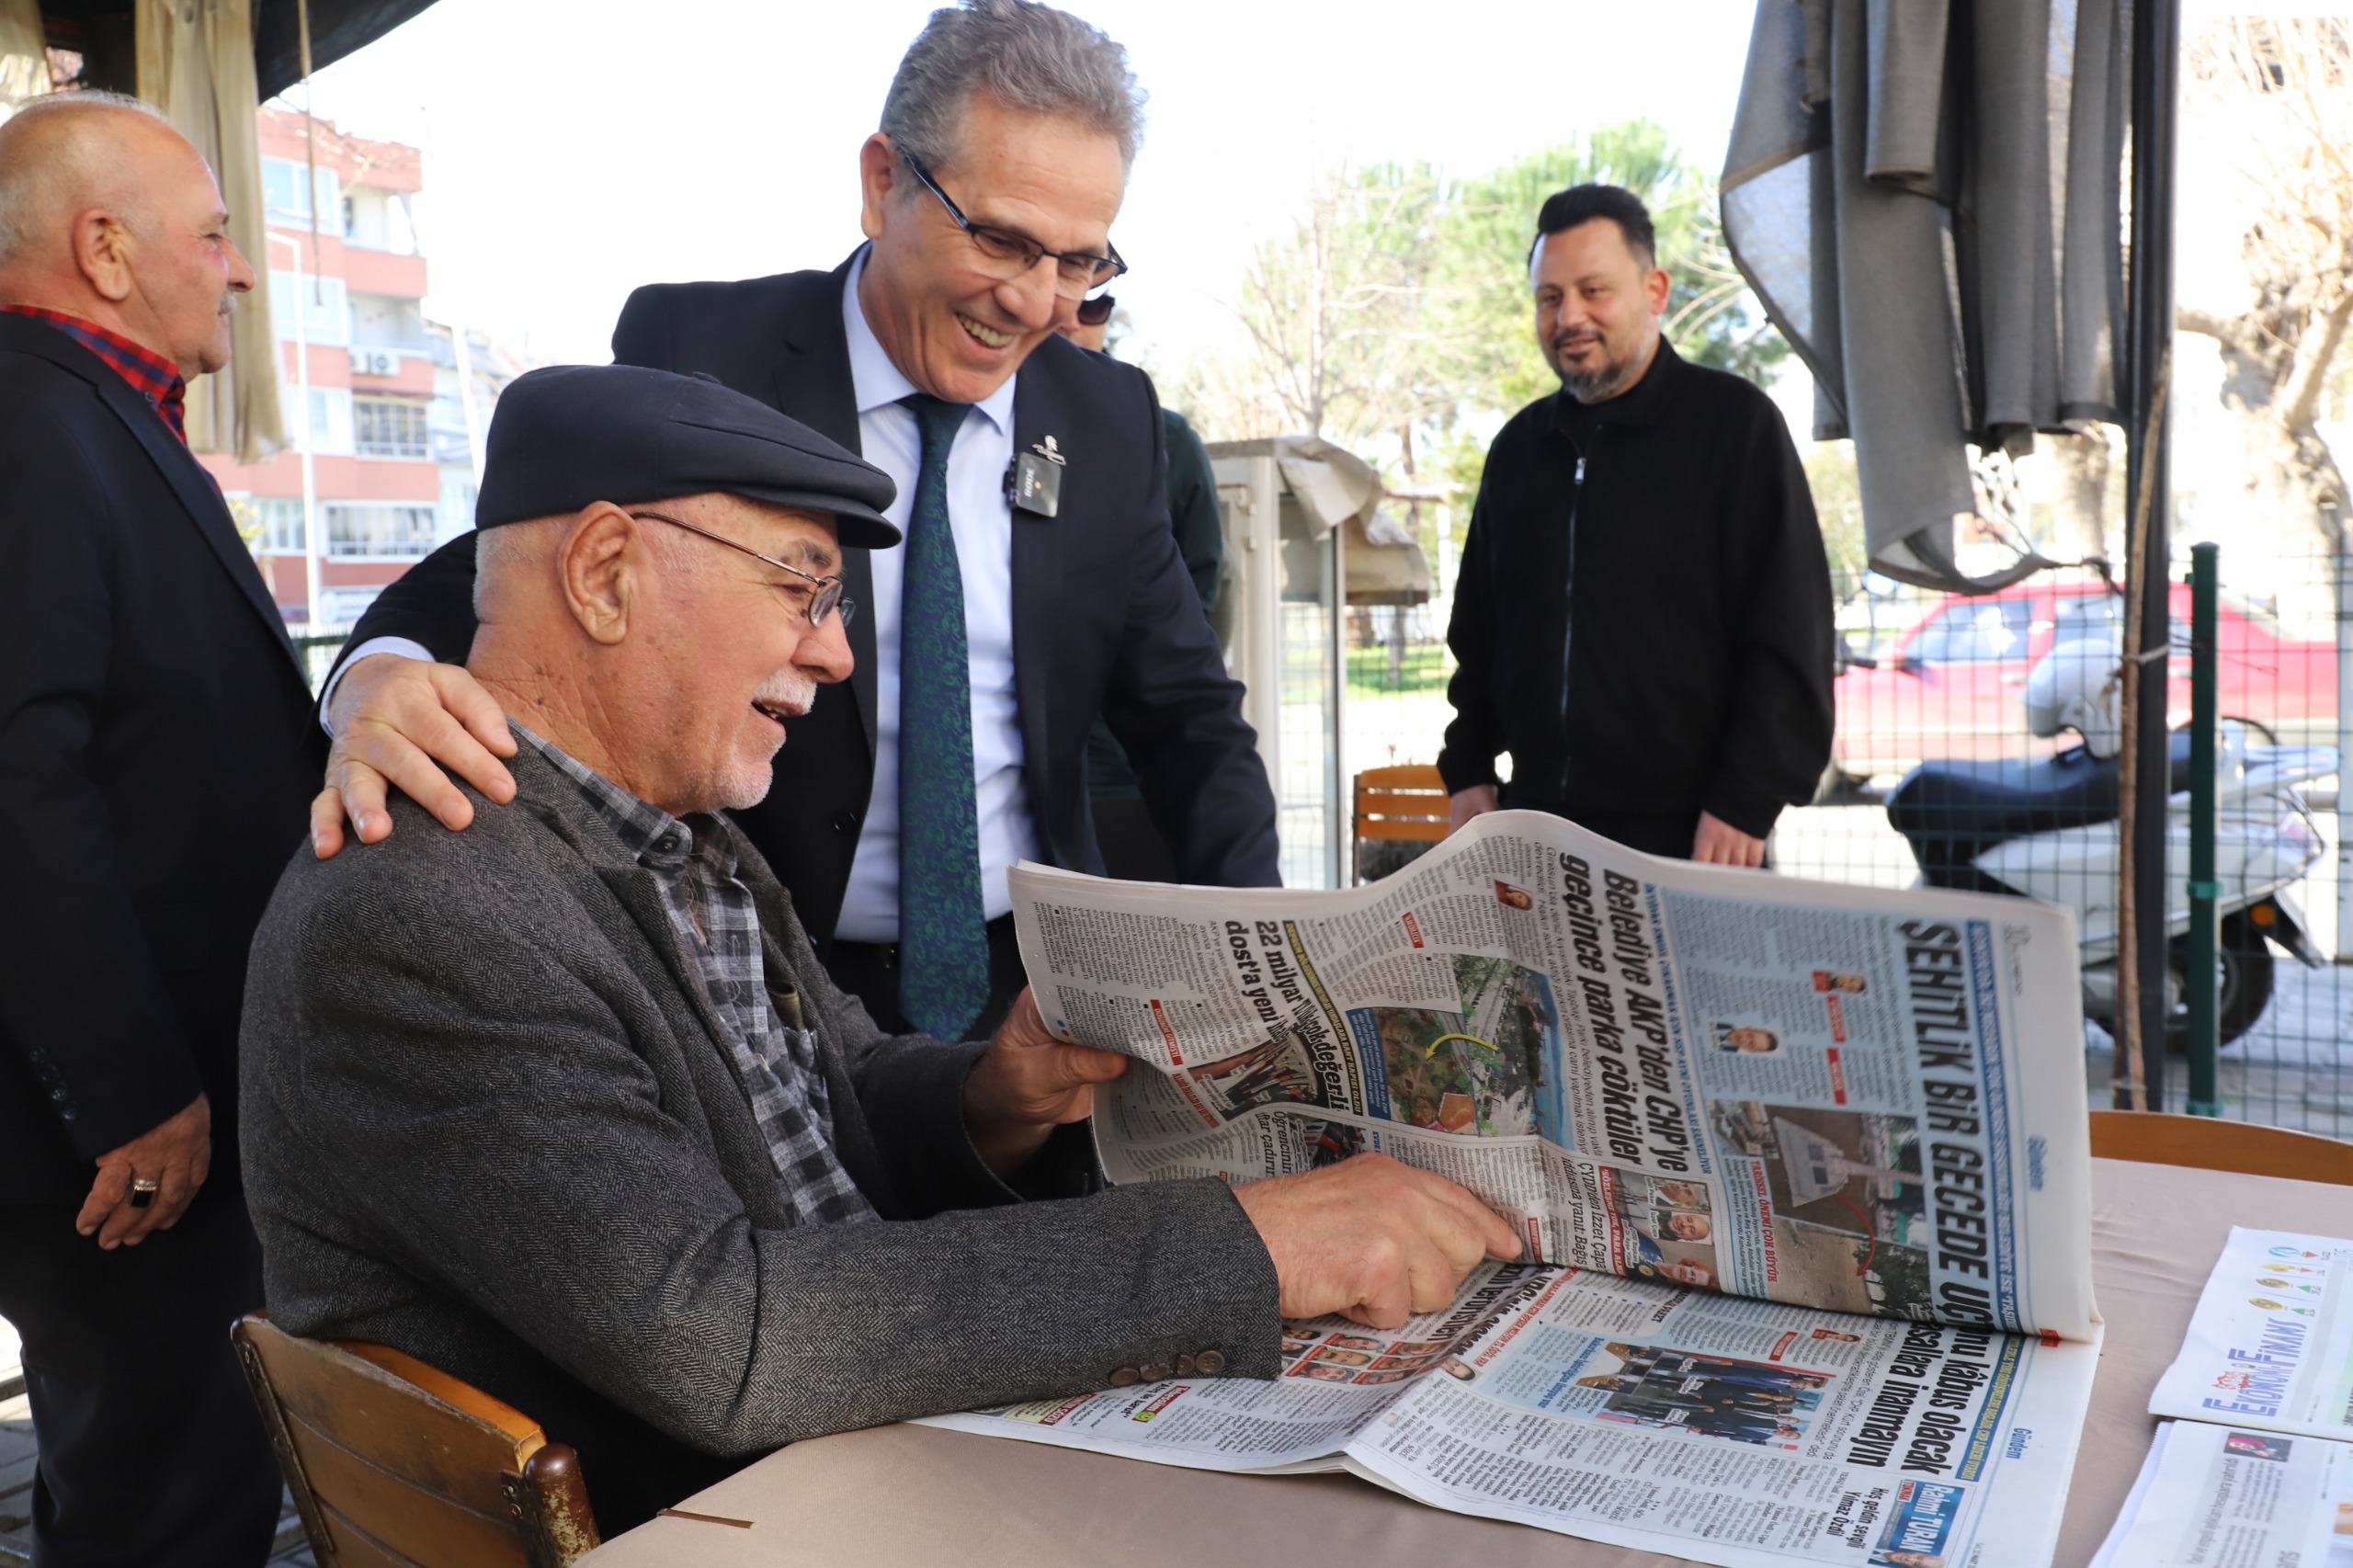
x=564 y=1105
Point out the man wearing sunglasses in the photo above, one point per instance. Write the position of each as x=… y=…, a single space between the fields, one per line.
x=1040 y=586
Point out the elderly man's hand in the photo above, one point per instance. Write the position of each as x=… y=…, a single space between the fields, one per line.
x=1028 y=1083
x=395 y=720
x=1372 y=1239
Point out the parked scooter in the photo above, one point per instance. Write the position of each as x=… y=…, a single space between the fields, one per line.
x=2047 y=830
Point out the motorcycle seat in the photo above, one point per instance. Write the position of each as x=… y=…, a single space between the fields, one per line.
x=1952 y=812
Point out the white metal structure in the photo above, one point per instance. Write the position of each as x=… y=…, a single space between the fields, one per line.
x=1288 y=651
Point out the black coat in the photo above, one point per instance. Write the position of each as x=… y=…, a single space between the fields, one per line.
x=1104 y=620
x=157 y=756
x=1694 y=672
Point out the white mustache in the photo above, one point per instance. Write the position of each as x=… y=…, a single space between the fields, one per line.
x=787 y=690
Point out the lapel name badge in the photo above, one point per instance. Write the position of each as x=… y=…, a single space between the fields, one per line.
x=1035 y=484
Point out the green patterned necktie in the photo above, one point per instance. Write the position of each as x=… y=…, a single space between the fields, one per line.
x=943 y=936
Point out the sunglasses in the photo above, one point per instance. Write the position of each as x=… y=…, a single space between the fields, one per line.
x=1096 y=311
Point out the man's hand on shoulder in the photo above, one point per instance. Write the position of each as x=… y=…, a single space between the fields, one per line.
x=1028 y=1083
x=177 y=1155
x=1372 y=1239
x=400 y=722
x=1718 y=843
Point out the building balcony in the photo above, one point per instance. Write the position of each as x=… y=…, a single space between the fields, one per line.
x=384 y=272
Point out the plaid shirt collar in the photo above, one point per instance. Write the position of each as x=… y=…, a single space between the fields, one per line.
x=717 y=928
x=659 y=841
x=150 y=375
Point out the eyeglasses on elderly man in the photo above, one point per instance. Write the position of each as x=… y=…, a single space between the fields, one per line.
x=812 y=604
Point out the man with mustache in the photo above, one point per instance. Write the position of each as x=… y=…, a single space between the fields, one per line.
x=1643 y=618
x=1040 y=585
x=565 y=1105
x=137 y=644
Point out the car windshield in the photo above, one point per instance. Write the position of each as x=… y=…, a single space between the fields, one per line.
x=1975 y=630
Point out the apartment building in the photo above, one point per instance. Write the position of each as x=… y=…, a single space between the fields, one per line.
x=397 y=401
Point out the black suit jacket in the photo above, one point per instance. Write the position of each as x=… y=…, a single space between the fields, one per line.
x=1105 y=619
x=157 y=754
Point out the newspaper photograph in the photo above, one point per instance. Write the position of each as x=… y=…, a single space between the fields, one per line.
x=2214 y=1496
x=1644 y=1414
x=1832 y=1096
x=2271 y=1343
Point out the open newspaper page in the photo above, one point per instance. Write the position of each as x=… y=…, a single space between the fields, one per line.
x=1711 y=1427
x=1745 y=1433
x=2271 y=1343
x=1338 y=1377
x=2229 y=1497
x=1833 y=1096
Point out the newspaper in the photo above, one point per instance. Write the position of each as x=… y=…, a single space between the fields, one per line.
x=1649 y=1415
x=2271 y=1343
x=2228 y=1497
x=1835 y=1097
x=1802 y=1171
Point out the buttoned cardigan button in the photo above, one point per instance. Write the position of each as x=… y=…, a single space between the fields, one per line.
x=1211 y=1362
x=1121 y=1377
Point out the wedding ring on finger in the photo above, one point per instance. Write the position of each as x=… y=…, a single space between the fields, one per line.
x=143 y=1191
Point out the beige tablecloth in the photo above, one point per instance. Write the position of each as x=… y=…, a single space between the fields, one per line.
x=915 y=1497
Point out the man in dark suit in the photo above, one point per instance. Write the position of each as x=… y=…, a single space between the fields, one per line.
x=1040 y=585
x=155 y=752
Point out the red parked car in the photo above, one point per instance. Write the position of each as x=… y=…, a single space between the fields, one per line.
x=1952 y=684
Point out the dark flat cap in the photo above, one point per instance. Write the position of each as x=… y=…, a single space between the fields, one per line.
x=568 y=436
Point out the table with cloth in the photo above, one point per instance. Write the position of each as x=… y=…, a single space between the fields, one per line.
x=909 y=1495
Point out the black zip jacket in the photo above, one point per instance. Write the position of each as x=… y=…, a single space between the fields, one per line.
x=1685 y=663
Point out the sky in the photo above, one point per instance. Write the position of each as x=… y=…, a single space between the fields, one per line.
x=566 y=163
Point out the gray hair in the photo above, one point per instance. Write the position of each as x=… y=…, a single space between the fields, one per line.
x=1027 y=56
x=48 y=158
x=521 y=550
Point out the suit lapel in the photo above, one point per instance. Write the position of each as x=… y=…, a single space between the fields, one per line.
x=813 y=384
x=1039 y=409
x=198 y=495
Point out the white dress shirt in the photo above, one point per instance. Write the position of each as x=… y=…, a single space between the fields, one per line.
x=981 y=519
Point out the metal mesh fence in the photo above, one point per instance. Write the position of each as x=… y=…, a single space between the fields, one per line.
x=1934 y=735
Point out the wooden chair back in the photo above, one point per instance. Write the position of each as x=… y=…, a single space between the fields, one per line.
x=394 y=1465
x=2209 y=1143
x=1404 y=802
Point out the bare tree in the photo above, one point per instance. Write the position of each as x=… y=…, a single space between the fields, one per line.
x=2082 y=507
x=2281 y=90
x=1338 y=338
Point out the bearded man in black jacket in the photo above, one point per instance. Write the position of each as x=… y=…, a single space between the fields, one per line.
x=1643 y=620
